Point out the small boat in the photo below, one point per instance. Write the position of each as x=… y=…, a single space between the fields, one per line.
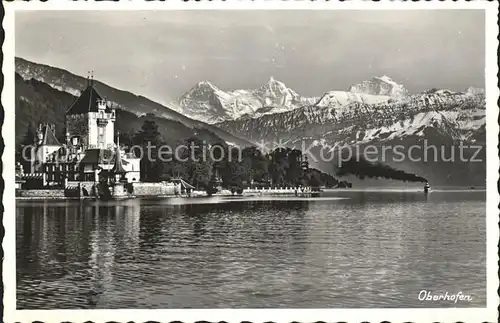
x=427 y=188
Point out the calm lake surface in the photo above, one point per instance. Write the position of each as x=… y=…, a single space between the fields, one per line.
x=345 y=249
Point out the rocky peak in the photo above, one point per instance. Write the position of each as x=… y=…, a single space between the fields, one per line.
x=273 y=87
x=382 y=85
x=205 y=85
x=474 y=90
x=201 y=91
x=276 y=93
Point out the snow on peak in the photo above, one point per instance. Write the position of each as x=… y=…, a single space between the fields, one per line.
x=386 y=78
x=207 y=102
x=474 y=90
x=205 y=84
x=202 y=91
x=343 y=98
x=274 y=87
x=383 y=85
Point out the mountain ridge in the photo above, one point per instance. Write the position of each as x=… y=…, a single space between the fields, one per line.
x=208 y=102
x=205 y=101
x=440 y=117
x=383 y=85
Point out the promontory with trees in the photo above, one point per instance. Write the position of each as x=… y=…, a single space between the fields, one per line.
x=207 y=164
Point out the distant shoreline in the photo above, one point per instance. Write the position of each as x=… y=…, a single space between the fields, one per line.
x=243 y=196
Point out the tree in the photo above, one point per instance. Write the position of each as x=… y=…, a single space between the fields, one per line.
x=278 y=165
x=150 y=140
x=127 y=139
x=294 y=171
x=255 y=164
x=29 y=136
x=28 y=140
x=211 y=187
x=315 y=180
x=236 y=169
x=197 y=166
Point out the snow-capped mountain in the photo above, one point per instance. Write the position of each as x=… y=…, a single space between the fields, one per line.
x=463 y=110
x=441 y=117
x=380 y=109
x=338 y=99
x=381 y=86
x=279 y=97
x=209 y=103
x=474 y=90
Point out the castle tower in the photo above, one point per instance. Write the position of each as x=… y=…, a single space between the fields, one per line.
x=90 y=122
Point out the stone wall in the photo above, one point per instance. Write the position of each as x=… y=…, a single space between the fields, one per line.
x=86 y=188
x=40 y=193
x=153 y=189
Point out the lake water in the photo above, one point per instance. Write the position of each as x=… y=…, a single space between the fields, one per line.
x=345 y=249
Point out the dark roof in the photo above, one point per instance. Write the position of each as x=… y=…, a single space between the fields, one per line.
x=86 y=102
x=97 y=156
x=100 y=156
x=49 y=138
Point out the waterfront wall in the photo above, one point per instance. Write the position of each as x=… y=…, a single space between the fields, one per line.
x=79 y=189
x=153 y=189
x=87 y=189
x=40 y=193
x=135 y=188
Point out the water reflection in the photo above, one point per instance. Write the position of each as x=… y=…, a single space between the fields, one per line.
x=369 y=249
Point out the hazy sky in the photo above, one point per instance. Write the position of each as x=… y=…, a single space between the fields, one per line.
x=163 y=54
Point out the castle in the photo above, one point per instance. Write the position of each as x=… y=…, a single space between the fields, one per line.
x=89 y=152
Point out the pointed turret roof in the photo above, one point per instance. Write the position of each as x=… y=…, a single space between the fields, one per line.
x=49 y=138
x=86 y=102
